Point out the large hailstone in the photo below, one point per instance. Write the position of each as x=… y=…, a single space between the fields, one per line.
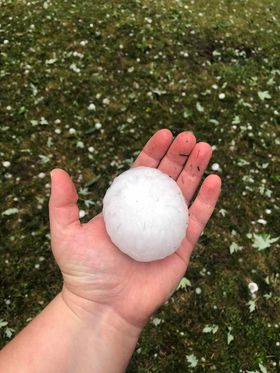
x=145 y=214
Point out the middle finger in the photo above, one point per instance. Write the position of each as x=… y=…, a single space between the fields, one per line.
x=177 y=154
x=190 y=177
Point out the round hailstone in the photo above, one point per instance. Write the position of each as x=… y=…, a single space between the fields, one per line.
x=145 y=214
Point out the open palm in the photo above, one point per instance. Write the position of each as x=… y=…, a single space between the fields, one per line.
x=95 y=271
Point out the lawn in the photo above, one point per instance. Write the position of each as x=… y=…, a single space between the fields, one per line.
x=83 y=85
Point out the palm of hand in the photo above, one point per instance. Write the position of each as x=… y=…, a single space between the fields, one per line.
x=95 y=270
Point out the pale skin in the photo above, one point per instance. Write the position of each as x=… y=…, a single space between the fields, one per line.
x=94 y=323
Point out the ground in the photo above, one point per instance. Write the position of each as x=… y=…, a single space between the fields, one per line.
x=84 y=84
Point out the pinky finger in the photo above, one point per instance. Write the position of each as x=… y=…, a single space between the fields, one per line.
x=199 y=214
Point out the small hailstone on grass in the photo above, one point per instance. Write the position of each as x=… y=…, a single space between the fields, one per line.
x=91 y=107
x=80 y=145
x=253 y=287
x=6 y=164
x=72 y=131
x=82 y=214
x=145 y=214
x=41 y=175
x=216 y=167
x=98 y=125
x=222 y=96
x=262 y=221
x=106 y=101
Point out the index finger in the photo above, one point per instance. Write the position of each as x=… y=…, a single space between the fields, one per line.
x=155 y=149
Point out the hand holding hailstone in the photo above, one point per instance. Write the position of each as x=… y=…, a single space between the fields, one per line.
x=142 y=242
x=107 y=296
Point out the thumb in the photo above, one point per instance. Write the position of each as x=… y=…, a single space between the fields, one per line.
x=63 y=208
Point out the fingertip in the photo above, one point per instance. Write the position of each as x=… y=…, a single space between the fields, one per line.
x=166 y=131
x=155 y=149
x=205 y=147
x=165 y=135
x=212 y=184
x=57 y=171
x=187 y=137
x=62 y=187
x=191 y=136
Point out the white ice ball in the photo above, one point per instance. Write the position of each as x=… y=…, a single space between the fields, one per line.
x=145 y=214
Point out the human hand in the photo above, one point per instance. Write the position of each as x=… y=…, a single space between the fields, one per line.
x=97 y=275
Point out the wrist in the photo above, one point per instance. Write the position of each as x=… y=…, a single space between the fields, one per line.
x=65 y=337
x=90 y=313
x=108 y=340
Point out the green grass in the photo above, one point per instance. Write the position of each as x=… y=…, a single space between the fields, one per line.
x=160 y=64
